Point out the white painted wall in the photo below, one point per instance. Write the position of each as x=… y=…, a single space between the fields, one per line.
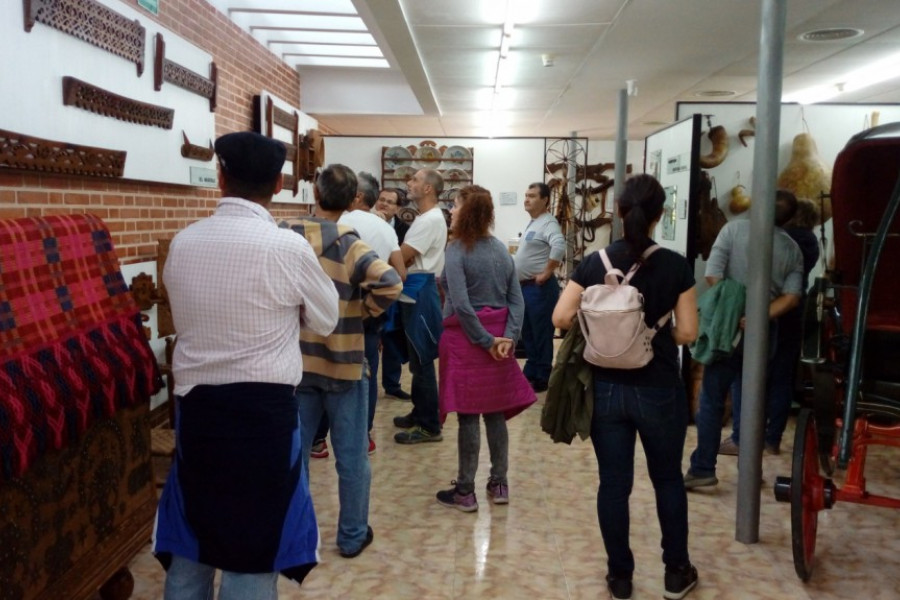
x=499 y=165
x=37 y=61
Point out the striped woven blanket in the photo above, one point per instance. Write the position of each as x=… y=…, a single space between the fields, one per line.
x=72 y=350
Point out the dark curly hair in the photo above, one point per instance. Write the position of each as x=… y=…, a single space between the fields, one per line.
x=475 y=218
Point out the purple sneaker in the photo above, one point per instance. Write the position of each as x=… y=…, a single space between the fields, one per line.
x=498 y=492
x=453 y=499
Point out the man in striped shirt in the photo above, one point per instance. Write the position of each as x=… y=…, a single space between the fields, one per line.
x=334 y=381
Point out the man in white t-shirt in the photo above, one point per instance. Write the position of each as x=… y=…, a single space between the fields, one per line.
x=381 y=237
x=423 y=253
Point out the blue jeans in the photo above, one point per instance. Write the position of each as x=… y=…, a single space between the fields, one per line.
x=537 y=328
x=347 y=414
x=189 y=580
x=717 y=378
x=659 y=415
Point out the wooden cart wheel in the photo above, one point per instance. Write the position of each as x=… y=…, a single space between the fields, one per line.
x=807 y=489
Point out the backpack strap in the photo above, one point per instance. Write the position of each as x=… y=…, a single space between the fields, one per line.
x=613 y=275
x=637 y=265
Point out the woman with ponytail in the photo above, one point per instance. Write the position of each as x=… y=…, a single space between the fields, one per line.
x=649 y=401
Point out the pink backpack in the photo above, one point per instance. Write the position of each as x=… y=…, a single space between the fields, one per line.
x=611 y=316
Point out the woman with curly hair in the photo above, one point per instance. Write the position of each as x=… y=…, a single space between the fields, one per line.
x=479 y=375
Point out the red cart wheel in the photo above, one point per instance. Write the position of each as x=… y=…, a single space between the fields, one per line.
x=807 y=492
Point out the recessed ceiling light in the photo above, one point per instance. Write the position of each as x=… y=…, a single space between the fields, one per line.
x=714 y=93
x=655 y=123
x=830 y=34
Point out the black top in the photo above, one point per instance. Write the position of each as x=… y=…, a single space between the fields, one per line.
x=661 y=280
x=401 y=228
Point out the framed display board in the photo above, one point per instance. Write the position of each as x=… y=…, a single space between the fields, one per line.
x=670 y=155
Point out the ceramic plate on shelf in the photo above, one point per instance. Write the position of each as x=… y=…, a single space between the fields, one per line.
x=459 y=158
x=396 y=156
x=457 y=176
x=402 y=175
x=428 y=157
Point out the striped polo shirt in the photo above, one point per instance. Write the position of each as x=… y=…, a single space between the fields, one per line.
x=366 y=287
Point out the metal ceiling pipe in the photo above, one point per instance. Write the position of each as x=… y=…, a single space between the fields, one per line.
x=762 y=217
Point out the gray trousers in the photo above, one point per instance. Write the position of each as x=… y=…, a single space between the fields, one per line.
x=470 y=445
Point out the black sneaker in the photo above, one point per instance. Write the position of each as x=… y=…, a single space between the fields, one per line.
x=619 y=587
x=404 y=421
x=370 y=535
x=539 y=386
x=399 y=394
x=680 y=581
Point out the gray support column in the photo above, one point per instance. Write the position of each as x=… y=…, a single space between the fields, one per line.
x=621 y=159
x=765 y=165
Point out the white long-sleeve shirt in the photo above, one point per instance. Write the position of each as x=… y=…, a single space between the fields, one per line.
x=238 y=286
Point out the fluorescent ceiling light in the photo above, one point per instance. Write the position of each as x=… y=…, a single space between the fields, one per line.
x=874 y=73
x=331 y=50
x=320 y=37
x=335 y=61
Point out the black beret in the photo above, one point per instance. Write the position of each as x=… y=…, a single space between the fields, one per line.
x=250 y=157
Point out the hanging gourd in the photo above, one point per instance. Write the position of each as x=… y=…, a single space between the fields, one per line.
x=806 y=174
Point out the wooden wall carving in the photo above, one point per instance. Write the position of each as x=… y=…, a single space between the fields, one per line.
x=93 y=23
x=19 y=151
x=102 y=102
x=170 y=71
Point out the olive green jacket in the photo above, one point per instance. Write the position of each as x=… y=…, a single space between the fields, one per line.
x=570 y=395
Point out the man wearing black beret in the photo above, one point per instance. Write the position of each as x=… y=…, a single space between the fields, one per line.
x=241 y=290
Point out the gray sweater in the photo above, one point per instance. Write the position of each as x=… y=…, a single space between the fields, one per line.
x=483 y=277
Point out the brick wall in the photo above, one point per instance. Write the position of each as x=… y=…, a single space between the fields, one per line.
x=140 y=213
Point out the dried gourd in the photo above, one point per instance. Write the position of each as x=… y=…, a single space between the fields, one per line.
x=719 y=138
x=806 y=175
x=740 y=201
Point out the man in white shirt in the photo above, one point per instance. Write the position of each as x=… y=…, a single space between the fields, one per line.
x=393 y=340
x=423 y=253
x=382 y=238
x=240 y=289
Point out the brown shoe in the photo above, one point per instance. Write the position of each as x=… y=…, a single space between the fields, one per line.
x=728 y=447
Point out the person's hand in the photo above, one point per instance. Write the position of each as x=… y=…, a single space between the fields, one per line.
x=501 y=348
x=541 y=278
x=379 y=213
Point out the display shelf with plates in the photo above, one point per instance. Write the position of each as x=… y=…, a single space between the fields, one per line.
x=400 y=163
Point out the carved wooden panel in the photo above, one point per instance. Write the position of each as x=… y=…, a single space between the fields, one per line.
x=102 y=102
x=92 y=22
x=291 y=152
x=170 y=71
x=18 y=151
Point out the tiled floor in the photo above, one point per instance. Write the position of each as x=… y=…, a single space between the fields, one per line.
x=546 y=545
